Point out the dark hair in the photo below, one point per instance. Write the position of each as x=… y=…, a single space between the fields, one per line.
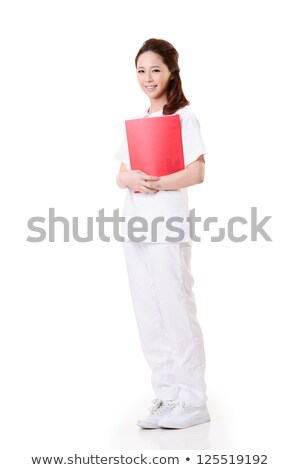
x=175 y=96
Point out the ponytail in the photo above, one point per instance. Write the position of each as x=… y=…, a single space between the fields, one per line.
x=175 y=96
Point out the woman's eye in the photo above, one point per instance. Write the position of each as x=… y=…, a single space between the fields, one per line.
x=140 y=71
x=156 y=70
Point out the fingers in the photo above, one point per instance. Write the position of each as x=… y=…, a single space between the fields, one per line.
x=152 y=183
x=150 y=177
x=144 y=182
x=148 y=189
x=151 y=190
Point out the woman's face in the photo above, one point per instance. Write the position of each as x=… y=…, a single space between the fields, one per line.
x=153 y=75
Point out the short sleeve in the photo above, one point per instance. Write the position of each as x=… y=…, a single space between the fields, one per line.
x=122 y=153
x=193 y=144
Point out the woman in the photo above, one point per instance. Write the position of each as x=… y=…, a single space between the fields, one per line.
x=159 y=271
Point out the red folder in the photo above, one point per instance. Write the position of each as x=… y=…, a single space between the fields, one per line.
x=155 y=145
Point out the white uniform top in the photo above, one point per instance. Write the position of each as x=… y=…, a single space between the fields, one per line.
x=163 y=203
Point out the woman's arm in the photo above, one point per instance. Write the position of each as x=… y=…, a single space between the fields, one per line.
x=193 y=174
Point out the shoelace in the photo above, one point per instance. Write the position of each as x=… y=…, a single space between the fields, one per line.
x=160 y=406
x=180 y=407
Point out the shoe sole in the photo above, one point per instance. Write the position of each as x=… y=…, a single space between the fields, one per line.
x=187 y=425
x=146 y=425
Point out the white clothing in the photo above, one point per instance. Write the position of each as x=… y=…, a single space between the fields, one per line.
x=170 y=335
x=163 y=203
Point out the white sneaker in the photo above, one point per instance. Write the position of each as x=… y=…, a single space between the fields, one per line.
x=158 y=409
x=184 y=415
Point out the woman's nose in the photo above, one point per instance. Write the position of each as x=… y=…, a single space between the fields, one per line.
x=148 y=77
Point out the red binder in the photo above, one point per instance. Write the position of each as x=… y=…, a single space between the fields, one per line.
x=155 y=145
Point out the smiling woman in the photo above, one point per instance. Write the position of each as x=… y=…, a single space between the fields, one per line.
x=153 y=79
x=159 y=270
x=160 y=78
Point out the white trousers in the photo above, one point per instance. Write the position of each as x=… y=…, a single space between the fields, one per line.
x=171 y=339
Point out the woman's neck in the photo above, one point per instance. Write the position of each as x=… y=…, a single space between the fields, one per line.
x=151 y=111
x=156 y=106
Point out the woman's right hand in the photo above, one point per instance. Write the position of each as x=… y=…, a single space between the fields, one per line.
x=135 y=180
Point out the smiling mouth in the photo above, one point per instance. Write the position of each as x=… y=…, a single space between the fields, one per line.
x=150 y=87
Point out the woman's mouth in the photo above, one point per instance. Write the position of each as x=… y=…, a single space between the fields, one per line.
x=150 y=87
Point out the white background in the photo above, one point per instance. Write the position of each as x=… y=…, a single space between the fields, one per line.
x=73 y=376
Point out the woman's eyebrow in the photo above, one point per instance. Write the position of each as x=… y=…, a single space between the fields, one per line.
x=152 y=66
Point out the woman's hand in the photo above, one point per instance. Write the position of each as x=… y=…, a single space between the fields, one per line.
x=139 y=181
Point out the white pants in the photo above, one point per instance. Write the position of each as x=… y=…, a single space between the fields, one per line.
x=161 y=284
